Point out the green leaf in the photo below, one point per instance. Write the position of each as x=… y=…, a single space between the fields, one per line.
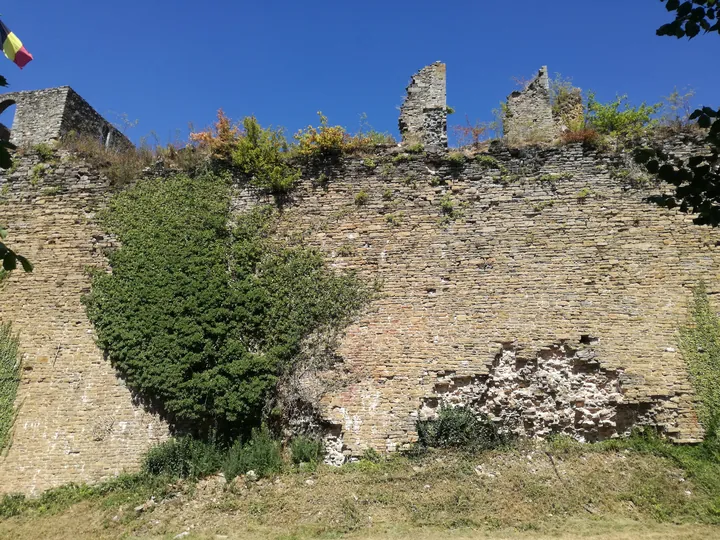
x=685 y=9
x=704 y=121
x=653 y=166
x=10 y=261
x=692 y=29
x=27 y=265
x=3 y=81
x=672 y=5
x=3 y=233
x=5 y=158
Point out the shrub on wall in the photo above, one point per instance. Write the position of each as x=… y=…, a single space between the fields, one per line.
x=459 y=428
x=9 y=379
x=260 y=154
x=201 y=318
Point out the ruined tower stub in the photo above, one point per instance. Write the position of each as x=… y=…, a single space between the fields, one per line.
x=423 y=115
x=529 y=115
x=43 y=116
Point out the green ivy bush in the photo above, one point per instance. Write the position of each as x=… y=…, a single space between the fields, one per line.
x=200 y=317
x=459 y=428
x=9 y=380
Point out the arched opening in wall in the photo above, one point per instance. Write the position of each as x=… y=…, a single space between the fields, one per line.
x=7 y=118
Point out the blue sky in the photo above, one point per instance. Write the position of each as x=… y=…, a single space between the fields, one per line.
x=167 y=64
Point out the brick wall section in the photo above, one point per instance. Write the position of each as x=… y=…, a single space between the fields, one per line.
x=529 y=115
x=77 y=422
x=43 y=116
x=423 y=114
x=535 y=264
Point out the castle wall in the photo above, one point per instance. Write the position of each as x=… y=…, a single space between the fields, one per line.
x=76 y=420
x=555 y=279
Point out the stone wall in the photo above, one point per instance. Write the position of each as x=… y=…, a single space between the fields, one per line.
x=423 y=114
x=77 y=422
x=529 y=117
x=43 y=116
x=549 y=298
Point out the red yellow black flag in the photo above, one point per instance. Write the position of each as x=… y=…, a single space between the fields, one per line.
x=13 y=47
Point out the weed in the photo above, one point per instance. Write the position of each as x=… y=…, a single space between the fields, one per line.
x=584 y=194
x=361 y=198
x=394 y=219
x=490 y=162
x=401 y=158
x=346 y=250
x=416 y=148
x=307 y=450
x=455 y=159
x=387 y=194
x=45 y=152
x=542 y=205
x=260 y=454
x=184 y=457
x=51 y=191
x=371 y=455
x=36 y=173
x=554 y=177
x=369 y=163
x=459 y=427
x=448 y=208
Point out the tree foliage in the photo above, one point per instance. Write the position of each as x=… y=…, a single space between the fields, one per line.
x=618 y=118
x=696 y=179
x=200 y=317
x=690 y=18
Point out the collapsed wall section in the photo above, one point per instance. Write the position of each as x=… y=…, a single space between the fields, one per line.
x=76 y=421
x=423 y=114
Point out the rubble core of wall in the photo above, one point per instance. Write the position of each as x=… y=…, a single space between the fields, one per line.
x=44 y=116
x=562 y=389
x=529 y=116
x=423 y=114
x=547 y=246
x=76 y=420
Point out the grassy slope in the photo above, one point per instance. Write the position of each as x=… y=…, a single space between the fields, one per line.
x=528 y=492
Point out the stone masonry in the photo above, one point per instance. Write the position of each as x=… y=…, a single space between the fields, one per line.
x=550 y=299
x=44 y=116
x=423 y=115
x=76 y=422
x=529 y=114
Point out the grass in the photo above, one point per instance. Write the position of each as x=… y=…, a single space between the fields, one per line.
x=554 y=488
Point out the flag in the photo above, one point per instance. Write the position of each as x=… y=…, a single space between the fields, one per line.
x=13 y=47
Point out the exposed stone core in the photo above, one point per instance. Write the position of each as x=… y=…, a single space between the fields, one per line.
x=423 y=115
x=529 y=116
x=43 y=116
x=562 y=389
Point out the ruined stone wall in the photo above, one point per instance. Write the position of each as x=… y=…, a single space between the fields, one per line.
x=38 y=115
x=77 y=421
x=549 y=298
x=528 y=117
x=44 y=116
x=423 y=114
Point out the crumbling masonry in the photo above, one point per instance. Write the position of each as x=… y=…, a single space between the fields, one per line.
x=550 y=300
x=43 y=116
x=423 y=115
